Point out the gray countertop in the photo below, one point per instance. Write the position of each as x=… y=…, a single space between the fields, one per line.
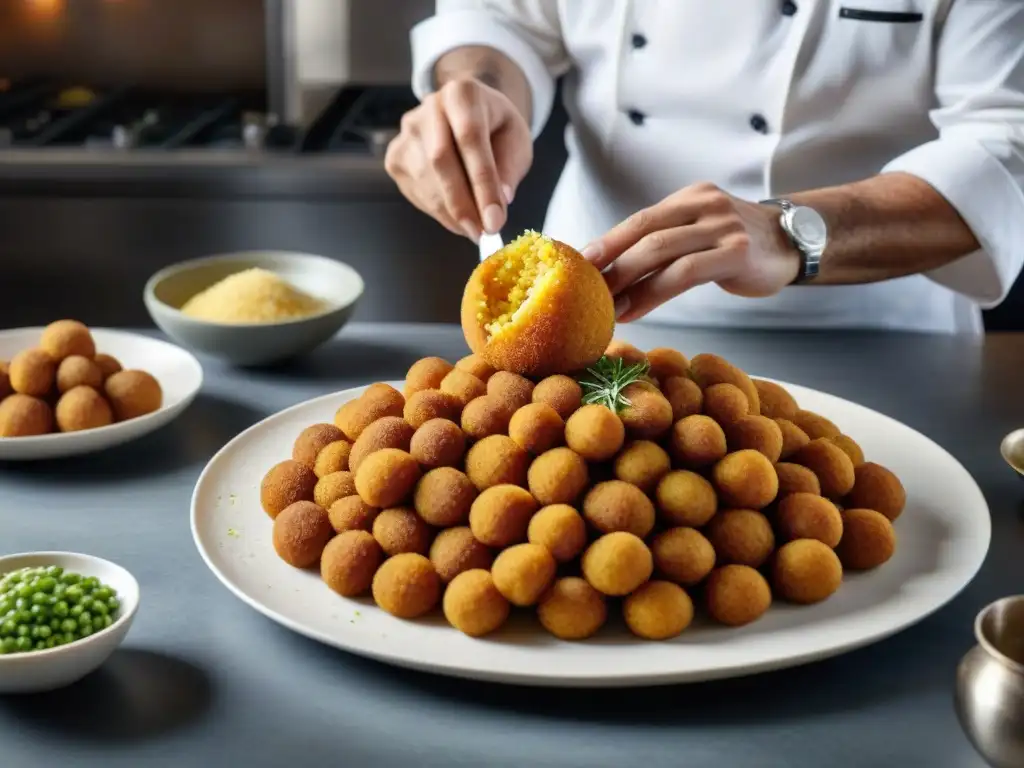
x=205 y=680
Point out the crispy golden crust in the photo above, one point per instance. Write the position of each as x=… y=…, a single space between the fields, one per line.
x=568 y=328
x=708 y=370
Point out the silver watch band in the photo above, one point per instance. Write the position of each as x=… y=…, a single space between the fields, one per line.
x=810 y=260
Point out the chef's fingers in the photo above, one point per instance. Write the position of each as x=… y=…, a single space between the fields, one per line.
x=448 y=175
x=407 y=165
x=513 y=148
x=676 y=278
x=468 y=117
x=654 y=251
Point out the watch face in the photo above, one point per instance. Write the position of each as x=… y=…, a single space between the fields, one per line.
x=809 y=227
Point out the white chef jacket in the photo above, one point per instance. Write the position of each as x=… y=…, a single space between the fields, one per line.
x=771 y=97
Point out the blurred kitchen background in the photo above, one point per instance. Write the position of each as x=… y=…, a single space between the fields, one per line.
x=137 y=133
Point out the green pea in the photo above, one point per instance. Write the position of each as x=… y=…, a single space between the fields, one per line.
x=24 y=630
x=25 y=590
x=13 y=577
x=69 y=625
x=54 y=571
x=51 y=642
x=8 y=628
x=103 y=593
x=47 y=584
x=76 y=611
x=23 y=617
x=85 y=617
x=8 y=645
x=90 y=583
x=113 y=604
x=21 y=603
x=100 y=608
x=40 y=598
x=107 y=621
x=86 y=603
x=23 y=644
x=59 y=590
x=69 y=637
x=55 y=625
x=43 y=631
x=5 y=606
x=74 y=593
x=86 y=630
x=60 y=609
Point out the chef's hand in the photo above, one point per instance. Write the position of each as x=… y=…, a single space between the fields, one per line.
x=460 y=156
x=697 y=235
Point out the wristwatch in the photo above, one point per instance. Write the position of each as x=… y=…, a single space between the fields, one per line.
x=808 y=232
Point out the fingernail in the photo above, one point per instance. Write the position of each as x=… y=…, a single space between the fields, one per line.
x=621 y=306
x=492 y=218
x=470 y=229
x=508 y=192
x=591 y=252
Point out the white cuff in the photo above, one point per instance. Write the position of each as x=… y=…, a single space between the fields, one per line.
x=988 y=199
x=434 y=37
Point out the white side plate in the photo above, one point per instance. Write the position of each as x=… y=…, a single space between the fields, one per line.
x=943 y=538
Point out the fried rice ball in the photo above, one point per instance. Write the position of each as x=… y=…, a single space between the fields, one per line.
x=595 y=433
x=572 y=609
x=623 y=350
x=850 y=447
x=108 y=364
x=796 y=479
x=806 y=516
x=558 y=476
x=642 y=463
x=758 y=433
x=456 y=550
x=814 y=425
x=301 y=532
x=522 y=573
x=427 y=373
x=741 y=537
x=685 y=397
x=560 y=529
x=444 y=496
x=617 y=506
x=462 y=386
x=484 y=416
x=697 y=441
x=868 y=541
x=497 y=460
x=806 y=571
x=385 y=432
x=476 y=365
x=332 y=458
x=776 y=402
x=406 y=586
x=536 y=428
x=349 y=562
x=832 y=466
x=877 y=488
x=64 y=338
x=77 y=371
x=666 y=363
x=561 y=392
x=82 y=408
x=24 y=416
x=708 y=370
x=311 y=441
x=617 y=563
x=746 y=480
x=351 y=513
x=725 y=403
x=793 y=438
x=387 y=477
x=336 y=485
x=378 y=401
x=649 y=413
x=286 y=482
x=400 y=529
x=737 y=595
x=429 y=404
x=658 y=610
x=683 y=555
x=509 y=388
x=500 y=515
x=32 y=372
x=438 y=443
x=473 y=605
x=133 y=394
x=685 y=498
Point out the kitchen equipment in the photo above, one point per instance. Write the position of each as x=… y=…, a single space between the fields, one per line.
x=259 y=343
x=943 y=538
x=490 y=244
x=46 y=670
x=990 y=684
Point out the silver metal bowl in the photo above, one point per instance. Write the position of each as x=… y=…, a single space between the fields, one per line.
x=990 y=684
x=1012 y=449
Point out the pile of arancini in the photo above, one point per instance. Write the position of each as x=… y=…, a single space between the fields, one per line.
x=65 y=385
x=482 y=490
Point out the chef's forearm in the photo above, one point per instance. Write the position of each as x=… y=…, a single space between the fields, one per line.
x=489 y=67
x=888 y=226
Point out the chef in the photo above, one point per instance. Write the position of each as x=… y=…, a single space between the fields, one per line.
x=745 y=163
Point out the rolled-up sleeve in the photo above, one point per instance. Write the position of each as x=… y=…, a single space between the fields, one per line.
x=977 y=163
x=526 y=31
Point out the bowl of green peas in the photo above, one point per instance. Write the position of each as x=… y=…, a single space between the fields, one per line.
x=62 y=615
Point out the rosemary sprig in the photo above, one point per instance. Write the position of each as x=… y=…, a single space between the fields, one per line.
x=604 y=382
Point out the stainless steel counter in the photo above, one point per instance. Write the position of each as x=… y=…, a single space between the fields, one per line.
x=204 y=680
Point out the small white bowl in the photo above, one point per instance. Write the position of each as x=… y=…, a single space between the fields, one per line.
x=36 y=671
